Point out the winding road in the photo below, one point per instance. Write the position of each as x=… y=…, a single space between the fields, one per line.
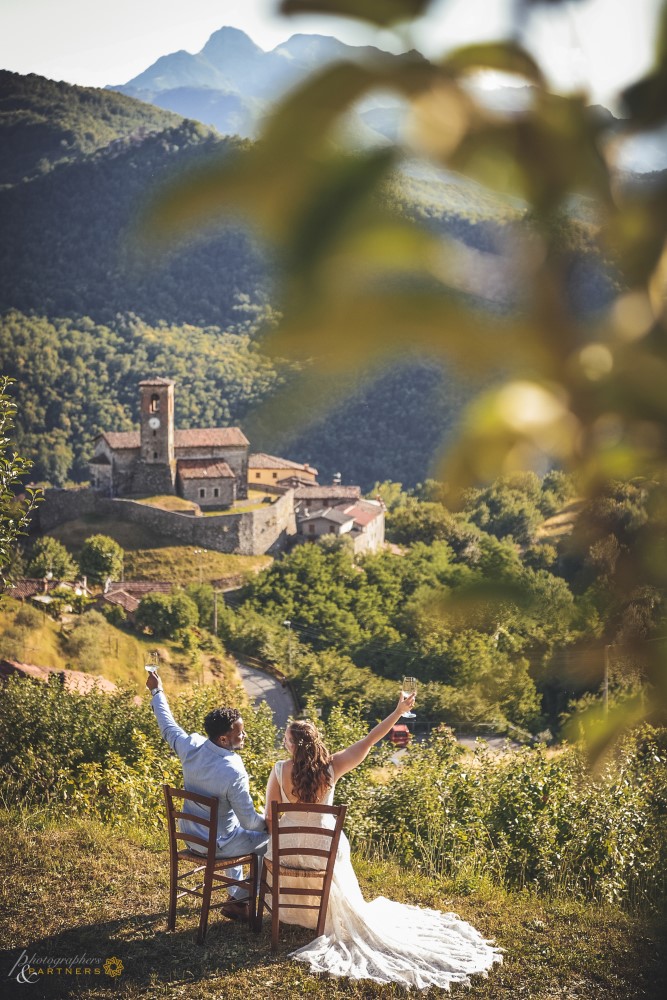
x=261 y=686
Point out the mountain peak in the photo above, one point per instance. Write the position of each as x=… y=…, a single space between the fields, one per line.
x=230 y=42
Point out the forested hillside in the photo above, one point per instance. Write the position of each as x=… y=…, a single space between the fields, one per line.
x=44 y=123
x=87 y=313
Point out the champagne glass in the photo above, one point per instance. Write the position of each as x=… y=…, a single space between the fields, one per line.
x=152 y=664
x=409 y=686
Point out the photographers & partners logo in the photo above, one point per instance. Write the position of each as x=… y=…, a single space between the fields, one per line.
x=29 y=969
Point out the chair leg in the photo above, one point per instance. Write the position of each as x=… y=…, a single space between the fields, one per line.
x=275 y=915
x=173 y=886
x=205 y=903
x=261 y=905
x=252 y=901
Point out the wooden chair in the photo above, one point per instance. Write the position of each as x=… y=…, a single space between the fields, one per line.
x=275 y=873
x=213 y=868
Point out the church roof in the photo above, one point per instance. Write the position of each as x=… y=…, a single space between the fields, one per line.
x=195 y=437
x=157 y=381
x=209 y=437
x=203 y=468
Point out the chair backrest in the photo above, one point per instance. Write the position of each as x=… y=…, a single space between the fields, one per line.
x=306 y=829
x=176 y=811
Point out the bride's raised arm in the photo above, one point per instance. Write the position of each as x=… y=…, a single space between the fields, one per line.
x=346 y=760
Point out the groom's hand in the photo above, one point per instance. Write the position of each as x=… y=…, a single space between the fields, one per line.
x=153 y=683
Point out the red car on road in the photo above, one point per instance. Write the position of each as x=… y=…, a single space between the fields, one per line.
x=400 y=735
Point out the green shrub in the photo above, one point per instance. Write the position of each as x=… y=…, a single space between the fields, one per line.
x=531 y=818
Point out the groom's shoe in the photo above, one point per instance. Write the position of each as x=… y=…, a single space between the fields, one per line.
x=236 y=909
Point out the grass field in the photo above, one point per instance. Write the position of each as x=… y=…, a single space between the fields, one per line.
x=80 y=887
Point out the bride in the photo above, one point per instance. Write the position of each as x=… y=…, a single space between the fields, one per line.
x=382 y=940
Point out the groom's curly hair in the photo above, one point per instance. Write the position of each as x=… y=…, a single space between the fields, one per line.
x=310 y=762
x=220 y=721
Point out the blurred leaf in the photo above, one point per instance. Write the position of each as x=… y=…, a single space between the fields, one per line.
x=505 y=57
x=522 y=425
x=478 y=605
x=344 y=186
x=600 y=730
x=646 y=100
x=379 y=12
x=635 y=233
x=544 y=156
x=284 y=175
x=345 y=333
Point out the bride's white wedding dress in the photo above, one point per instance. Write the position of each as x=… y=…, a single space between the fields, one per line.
x=384 y=941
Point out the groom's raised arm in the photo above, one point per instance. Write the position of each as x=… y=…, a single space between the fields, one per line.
x=175 y=735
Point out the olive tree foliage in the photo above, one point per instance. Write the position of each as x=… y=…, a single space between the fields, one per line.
x=48 y=555
x=581 y=388
x=101 y=558
x=167 y=615
x=14 y=513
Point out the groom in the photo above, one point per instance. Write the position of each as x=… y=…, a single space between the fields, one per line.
x=211 y=766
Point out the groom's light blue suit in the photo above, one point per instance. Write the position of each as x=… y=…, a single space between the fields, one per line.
x=211 y=770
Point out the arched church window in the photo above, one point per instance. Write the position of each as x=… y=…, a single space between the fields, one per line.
x=155 y=403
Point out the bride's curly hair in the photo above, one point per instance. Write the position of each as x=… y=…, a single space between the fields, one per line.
x=310 y=762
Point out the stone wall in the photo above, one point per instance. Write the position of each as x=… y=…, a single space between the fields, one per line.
x=64 y=505
x=265 y=530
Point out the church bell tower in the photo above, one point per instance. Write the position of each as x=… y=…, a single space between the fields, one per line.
x=156 y=469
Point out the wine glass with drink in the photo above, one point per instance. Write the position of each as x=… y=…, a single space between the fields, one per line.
x=152 y=664
x=409 y=686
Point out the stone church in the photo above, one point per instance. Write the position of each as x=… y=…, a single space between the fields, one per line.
x=207 y=465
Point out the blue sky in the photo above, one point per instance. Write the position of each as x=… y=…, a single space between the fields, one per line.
x=595 y=45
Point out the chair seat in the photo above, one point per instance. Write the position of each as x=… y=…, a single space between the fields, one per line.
x=294 y=872
x=188 y=855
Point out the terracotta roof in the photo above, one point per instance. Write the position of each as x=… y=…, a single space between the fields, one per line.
x=157 y=381
x=329 y=494
x=209 y=437
x=73 y=680
x=335 y=514
x=261 y=460
x=203 y=468
x=23 y=589
x=124 y=600
x=364 y=512
x=291 y=482
x=137 y=588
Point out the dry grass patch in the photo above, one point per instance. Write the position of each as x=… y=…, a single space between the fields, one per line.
x=79 y=886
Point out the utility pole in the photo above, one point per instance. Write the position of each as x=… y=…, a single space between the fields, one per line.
x=215 y=612
x=605 y=682
x=288 y=624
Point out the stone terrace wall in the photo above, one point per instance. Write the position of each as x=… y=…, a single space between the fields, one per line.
x=65 y=505
x=252 y=533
